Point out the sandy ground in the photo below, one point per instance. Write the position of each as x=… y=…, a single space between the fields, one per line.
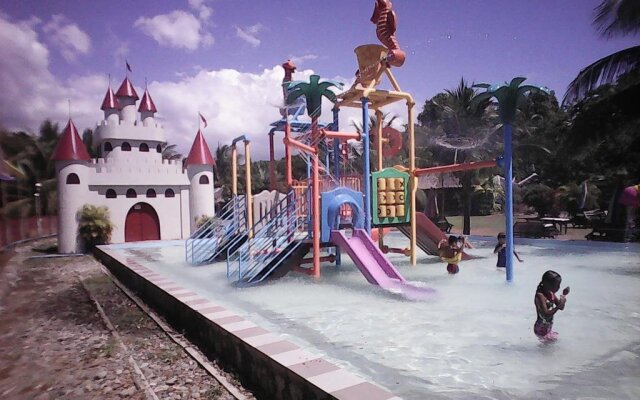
x=55 y=345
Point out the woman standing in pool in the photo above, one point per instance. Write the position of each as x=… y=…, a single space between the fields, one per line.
x=547 y=304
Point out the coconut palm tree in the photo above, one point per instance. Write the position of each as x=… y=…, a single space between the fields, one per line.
x=613 y=18
x=510 y=97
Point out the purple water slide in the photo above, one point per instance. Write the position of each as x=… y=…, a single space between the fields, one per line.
x=375 y=266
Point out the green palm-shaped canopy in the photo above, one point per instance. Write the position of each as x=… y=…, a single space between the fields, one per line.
x=510 y=96
x=313 y=92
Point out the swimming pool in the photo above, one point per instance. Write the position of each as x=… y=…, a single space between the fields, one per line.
x=474 y=339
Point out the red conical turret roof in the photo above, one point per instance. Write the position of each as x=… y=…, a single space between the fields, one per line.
x=110 y=101
x=70 y=146
x=146 y=104
x=200 y=153
x=127 y=90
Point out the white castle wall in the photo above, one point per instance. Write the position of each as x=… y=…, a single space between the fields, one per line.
x=129 y=130
x=100 y=175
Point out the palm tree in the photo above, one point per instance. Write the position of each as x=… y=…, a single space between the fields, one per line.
x=613 y=18
x=313 y=93
x=510 y=97
x=460 y=130
x=169 y=152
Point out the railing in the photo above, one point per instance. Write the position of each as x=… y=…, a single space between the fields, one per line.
x=17 y=229
x=248 y=263
x=205 y=244
x=306 y=137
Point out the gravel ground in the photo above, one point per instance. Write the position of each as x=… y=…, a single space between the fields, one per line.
x=55 y=345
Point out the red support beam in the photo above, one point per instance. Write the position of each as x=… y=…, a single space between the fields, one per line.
x=455 y=168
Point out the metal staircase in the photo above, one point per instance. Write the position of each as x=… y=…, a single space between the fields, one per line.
x=270 y=247
x=214 y=236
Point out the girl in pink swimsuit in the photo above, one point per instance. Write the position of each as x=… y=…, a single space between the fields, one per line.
x=547 y=304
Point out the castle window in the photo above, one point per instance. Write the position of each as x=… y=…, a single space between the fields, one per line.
x=108 y=146
x=72 y=179
x=144 y=148
x=169 y=193
x=159 y=149
x=111 y=194
x=151 y=193
x=131 y=194
x=126 y=146
x=204 y=180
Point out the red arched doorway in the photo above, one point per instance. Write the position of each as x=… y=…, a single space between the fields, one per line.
x=141 y=224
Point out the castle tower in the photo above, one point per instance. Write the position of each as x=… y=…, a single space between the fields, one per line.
x=120 y=135
x=127 y=98
x=147 y=109
x=70 y=157
x=110 y=107
x=200 y=165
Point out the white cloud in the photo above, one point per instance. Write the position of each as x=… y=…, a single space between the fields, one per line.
x=250 y=34
x=67 y=37
x=120 y=54
x=204 y=11
x=178 y=29
x=299 y=60
x=234 y=103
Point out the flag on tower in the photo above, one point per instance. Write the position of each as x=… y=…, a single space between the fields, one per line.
x=204 y=121
x=128 y=66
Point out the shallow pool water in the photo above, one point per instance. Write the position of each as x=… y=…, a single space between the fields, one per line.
x=473 y=340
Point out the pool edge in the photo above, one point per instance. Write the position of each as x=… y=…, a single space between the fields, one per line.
x=266 y=364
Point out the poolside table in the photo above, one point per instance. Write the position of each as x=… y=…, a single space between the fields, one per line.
x=558 y=223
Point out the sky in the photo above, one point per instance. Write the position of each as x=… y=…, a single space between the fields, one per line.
x=222 y=57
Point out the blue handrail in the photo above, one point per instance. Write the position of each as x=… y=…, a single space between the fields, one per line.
x=274 y=240
x=205 y=243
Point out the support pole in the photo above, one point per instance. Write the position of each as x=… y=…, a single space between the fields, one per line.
x=367 y=165
x=272 y=162
x=508 y=183
x=337 y=156
x=234 y=170
x=379 y=119
x=413 y=179
x=248 y=194
x=315 y=194
x=336 y=144
x=287 y=151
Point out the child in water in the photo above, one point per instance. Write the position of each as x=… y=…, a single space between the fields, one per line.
x=501 y=251
x=450 y=251
x=547 y=304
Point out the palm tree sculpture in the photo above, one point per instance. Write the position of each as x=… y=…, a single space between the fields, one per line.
x=613 y=18
x=313 y=93
x=510 y=97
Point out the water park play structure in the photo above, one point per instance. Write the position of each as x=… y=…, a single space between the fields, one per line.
x=339 y=195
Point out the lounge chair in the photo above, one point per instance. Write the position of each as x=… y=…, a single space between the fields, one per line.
x=534 y=229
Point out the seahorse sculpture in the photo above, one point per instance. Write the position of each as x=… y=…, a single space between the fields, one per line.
x=289 y=69
x=385 y=20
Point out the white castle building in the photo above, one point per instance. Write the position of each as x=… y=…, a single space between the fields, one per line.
x=148 y=198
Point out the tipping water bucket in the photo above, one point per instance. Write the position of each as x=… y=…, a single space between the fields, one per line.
x=369 y=57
